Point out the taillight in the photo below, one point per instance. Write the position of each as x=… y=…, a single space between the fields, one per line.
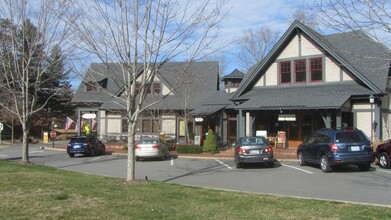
x=155 y=146
x=86 y=145
x=268 y=150
x=137 y=147
x=333 y=147
x=241 y=150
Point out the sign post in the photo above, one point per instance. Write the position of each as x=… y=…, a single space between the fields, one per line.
x=53 y=135
x=1 y=129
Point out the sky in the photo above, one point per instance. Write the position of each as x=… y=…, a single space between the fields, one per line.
x=253 y=14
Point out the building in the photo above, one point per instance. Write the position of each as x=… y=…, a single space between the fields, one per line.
x=310 y=81
x=100 y=96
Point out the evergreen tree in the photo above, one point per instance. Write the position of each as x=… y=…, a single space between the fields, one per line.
x=210 y=144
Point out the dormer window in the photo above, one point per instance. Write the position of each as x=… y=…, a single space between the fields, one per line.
x=301 y=71
x=316 y=69
x=154 y=89
x=285 y=72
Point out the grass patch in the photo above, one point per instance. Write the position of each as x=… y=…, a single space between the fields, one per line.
x=37 y=192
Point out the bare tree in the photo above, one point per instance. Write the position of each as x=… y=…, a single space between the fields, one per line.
x=371 y=16
x=255 y=45
x=141 y=36
x=306 y=17
x=30 y=29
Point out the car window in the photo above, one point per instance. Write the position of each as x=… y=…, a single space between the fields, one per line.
x=148 y=141
x=78 y=140
x=350 y=137
x=322 y=138
x=252 y=141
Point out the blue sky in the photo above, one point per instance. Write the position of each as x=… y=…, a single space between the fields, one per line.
x=253 y=14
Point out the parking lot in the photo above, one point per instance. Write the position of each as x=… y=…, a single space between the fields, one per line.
x=287 y=178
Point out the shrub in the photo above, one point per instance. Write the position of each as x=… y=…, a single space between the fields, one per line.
x=210 y=144
x=188 y=149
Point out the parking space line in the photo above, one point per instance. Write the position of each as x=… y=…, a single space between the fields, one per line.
x=296 y=168
x=385 y=171
x=34 y=152
x=226 y=165
x=97 y=158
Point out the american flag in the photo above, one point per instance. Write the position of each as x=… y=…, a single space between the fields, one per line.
x=68 y=123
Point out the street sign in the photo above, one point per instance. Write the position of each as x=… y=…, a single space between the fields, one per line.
x=1 y=126
x=89 y=116
x=53 y=134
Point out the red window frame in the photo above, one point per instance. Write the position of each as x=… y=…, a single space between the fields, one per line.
x=300 y=71
x=285 y=70
x=316 y=67
x=156 y=88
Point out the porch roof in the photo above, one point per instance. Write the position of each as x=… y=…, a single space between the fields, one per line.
x=314 y=96
x=206 y=110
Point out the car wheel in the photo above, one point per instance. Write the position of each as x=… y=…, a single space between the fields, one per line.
x=300 y=158
x=324 y=164
x=137 y=158
x=364 y=167
x=384 y=160
x=238 y=165
x=271 y=164
x=71 y=155
x=103 y=152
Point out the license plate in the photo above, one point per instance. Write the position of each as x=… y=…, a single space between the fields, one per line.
x=254 y=152
x=354 y=148
x=76 y=146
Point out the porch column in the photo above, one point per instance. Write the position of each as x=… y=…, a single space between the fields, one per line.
x=327 y=119
x=377 y=122
x=241 y=124
x=338 y=119
x=248 y=124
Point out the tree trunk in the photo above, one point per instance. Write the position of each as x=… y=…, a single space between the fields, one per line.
x=131 y=164
x=25 y=154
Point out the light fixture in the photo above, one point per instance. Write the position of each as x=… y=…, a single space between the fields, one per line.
x=371 y=99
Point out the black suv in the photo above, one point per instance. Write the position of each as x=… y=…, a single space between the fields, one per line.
x=332 y=147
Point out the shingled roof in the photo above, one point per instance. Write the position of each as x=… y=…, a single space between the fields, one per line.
x=204 y=79
x=368 y=61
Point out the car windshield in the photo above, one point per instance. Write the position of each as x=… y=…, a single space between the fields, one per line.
x=252 y=141
x=149 y=141
x=350 y=137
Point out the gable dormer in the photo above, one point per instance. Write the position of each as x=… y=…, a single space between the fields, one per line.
x=301 y=61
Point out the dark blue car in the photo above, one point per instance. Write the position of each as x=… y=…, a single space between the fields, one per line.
x=336 y=147
x=87 y=145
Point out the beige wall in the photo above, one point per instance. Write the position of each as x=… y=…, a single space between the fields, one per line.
x=362 y=116
x=292 y=49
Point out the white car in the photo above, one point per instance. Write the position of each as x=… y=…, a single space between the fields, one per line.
x=151 y=148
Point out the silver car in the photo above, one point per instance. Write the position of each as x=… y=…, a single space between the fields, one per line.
x=253 y=150
x=151 y=148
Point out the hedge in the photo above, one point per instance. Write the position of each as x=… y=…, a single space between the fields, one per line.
x=188 y=149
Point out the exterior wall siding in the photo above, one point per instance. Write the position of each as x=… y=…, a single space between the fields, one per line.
x=308 y=49
x=362 y=117
x=292 y=50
